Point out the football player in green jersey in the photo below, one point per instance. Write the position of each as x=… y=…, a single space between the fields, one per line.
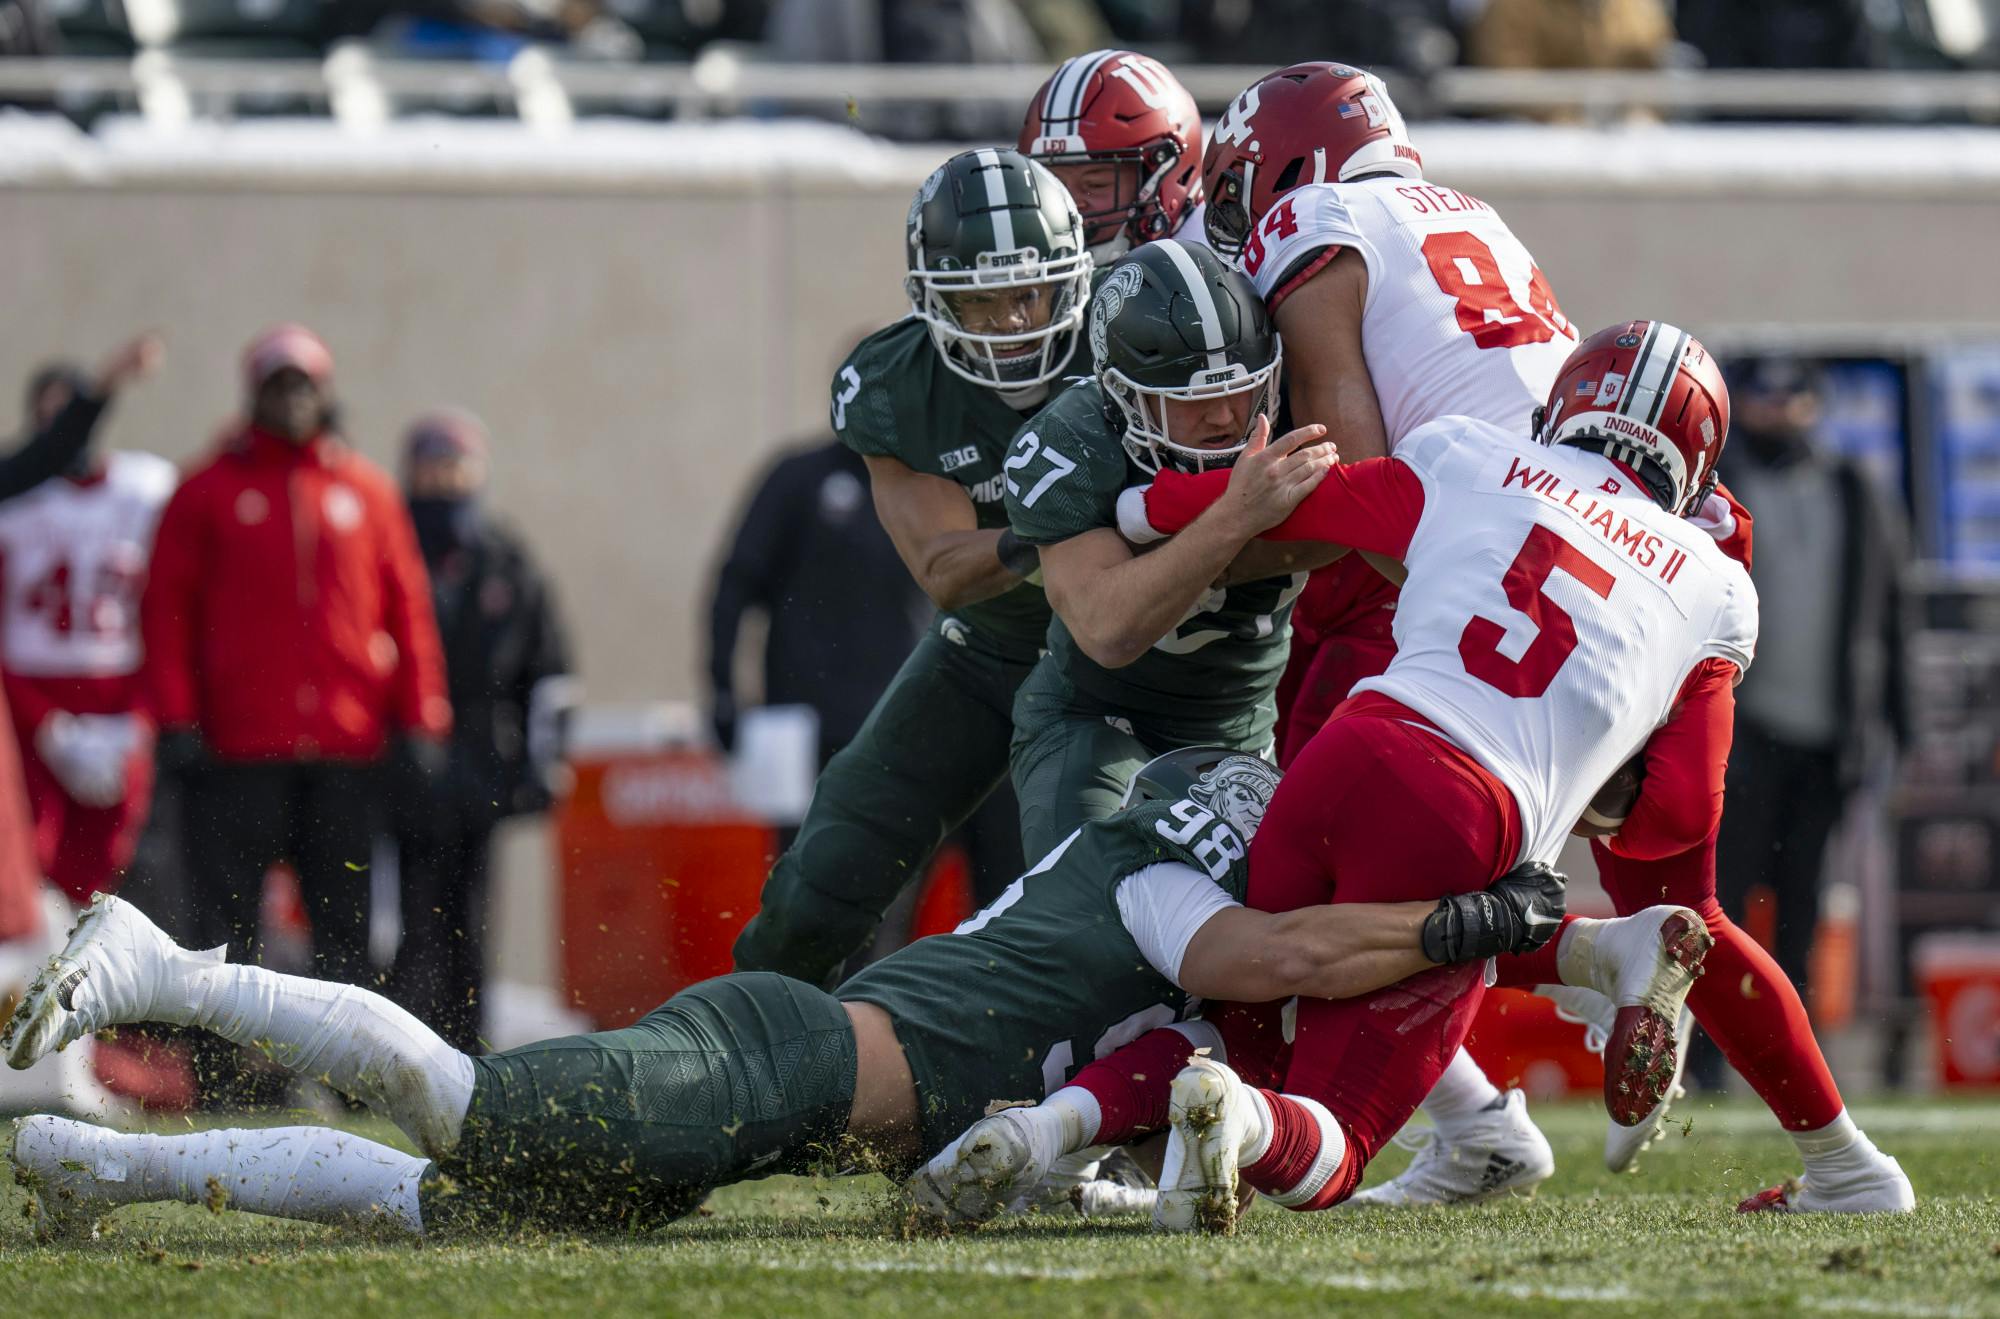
x=1184 y=644
x=998 y=280
x=751 y=1073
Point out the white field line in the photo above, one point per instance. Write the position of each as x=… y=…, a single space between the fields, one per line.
x=1740 y=1120
x=1349 y=1282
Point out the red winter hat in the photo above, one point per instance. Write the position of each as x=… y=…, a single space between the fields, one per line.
x=284 y=346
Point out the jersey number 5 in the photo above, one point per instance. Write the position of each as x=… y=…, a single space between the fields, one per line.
x=1555 y=632
x=1464 y=267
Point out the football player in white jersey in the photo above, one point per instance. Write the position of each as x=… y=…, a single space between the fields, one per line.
x=73 y=556
x=1124 y=137
x=1562 y=610
x=1399 y=301
x=1326 y=139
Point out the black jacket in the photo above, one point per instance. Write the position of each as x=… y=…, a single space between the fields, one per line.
x=843 y=609
x=502 y=635
x=52 y=449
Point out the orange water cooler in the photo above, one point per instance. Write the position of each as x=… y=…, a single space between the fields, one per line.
x=660 y=869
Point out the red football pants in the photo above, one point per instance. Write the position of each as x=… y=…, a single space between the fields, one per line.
x=85 y=849
x=20 y=885
x=1374 y=810
x=1322 y=673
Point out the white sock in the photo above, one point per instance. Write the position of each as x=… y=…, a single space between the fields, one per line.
x=1576 y=953
x=1460 y=1095
x=1076 y=1116
x=359 y=1042
x=1837 y=1145
x=1260 y=1144
x=311 y=1173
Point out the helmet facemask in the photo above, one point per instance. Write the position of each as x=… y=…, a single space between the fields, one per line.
x=1017 y=360
x=1133 y=215
x=1227 y=222
x=1147 y=437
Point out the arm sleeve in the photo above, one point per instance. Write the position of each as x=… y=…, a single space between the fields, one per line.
x=1680 y=801
x=52 y=448
x=1725 y=519
x=749 y=574
x=1373 y=505
x=168 y=613
x=1162 y=906
x=417 y=699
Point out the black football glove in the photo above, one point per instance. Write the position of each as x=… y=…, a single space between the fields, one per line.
x=1519 y=913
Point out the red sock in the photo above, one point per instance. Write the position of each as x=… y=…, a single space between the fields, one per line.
x=1131 y=1085
x=1253 y=1040
x=1747 y=1005
x=1309 y=1164
x=1526 y=970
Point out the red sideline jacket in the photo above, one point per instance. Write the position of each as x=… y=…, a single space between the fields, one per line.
x=287 y=614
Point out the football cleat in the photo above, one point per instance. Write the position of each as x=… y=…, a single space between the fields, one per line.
x=1500 y=1152
x=1597 y=1015
x=1646 y=964
x=1211 y=1118
x=117 y=967
x=1875 y=1185
x=990 y=1167
x=50 y=1157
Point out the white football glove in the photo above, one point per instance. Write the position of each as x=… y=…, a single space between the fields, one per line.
x=89 y=754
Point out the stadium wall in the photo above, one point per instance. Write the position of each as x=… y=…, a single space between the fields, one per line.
x=644 y=314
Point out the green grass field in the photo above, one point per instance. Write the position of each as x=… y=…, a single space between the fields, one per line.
x=1663 y=1242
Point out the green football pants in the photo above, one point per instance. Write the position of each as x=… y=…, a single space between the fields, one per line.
x=740 y=1076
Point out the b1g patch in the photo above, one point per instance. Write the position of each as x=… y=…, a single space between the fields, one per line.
x=958 y=458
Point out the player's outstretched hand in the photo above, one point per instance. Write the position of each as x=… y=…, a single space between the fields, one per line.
x=1272 y=476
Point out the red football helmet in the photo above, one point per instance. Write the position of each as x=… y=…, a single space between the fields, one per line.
x=1118 y=107
x=1311 y=123
x=1650 y=396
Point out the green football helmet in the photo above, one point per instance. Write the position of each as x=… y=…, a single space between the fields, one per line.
x=998 y=268
x=1235 y=786
x=1172 y=322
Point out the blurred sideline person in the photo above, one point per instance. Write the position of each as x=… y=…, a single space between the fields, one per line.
x=73 y=556
x=291 y=653
x=63 y=409
x=507 y=671
x=842 y=612
x=931 y=404
x=1829 y=694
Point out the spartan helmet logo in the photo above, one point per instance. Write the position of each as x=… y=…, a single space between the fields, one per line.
x=1121 y=284
x=1237 y=790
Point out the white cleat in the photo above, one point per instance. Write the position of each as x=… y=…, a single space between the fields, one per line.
x=1597 y=1015
x=1090 y=1186
x=1500 y=1152
x=1211 y=1118
x=53 y=1158
x=1645 y=964
x=990 y=1167
x=1875 y=1185
x=112 y=971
